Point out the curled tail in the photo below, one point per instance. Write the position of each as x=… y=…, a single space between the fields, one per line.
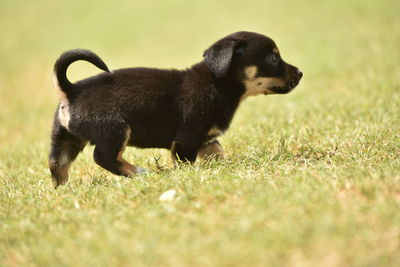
x=66 y=59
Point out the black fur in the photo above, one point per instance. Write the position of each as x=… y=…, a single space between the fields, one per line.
x=219 y=56
x=67 y=58
x=152 y=108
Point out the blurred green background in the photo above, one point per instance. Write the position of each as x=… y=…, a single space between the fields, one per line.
x=313 y=177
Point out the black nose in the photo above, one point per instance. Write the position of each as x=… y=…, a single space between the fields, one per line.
x=299 y=74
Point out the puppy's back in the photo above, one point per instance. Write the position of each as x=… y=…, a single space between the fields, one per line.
x=132 y=87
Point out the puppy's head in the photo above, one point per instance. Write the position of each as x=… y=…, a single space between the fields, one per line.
x=255 y=61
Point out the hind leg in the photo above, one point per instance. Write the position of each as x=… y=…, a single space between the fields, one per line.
x=108 y=153
x=64 y=149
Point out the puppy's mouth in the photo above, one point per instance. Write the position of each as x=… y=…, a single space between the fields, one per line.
x=289 y=86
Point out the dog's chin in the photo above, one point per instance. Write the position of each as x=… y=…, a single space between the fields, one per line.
x=286 y=88
x=278 y=90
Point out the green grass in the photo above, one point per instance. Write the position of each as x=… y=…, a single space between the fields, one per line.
x=312 y=178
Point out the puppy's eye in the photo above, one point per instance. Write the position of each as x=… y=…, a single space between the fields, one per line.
x=273 y=59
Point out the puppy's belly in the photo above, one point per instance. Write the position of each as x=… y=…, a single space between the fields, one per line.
x=150 y=143
x=144 y=137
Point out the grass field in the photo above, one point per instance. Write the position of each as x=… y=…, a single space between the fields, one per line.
x=312 y=178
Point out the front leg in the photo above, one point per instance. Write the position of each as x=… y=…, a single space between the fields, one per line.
x=183 y=152
x=210 y=150
x=187 y=143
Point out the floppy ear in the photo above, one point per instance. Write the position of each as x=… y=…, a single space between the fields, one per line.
x=219 y=56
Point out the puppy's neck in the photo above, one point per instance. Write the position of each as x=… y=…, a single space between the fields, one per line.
x=228 y=86
x=226 y=92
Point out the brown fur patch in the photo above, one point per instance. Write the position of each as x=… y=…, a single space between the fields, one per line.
x=64 y=173
x=213 y=150
x=60 y=170
x=127 y=169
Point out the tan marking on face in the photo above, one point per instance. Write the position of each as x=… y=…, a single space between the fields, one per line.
x=127 y=169
x=213 y=150
x=258 y=85
x=275 y=50
x=63 y=113
x=250 y=72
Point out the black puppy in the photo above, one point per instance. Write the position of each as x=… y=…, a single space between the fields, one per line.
x=184 y=111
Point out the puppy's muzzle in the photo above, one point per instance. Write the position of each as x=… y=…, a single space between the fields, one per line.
x=296 y=80
x=291 y=82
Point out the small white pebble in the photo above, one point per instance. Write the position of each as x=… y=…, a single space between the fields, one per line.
x=31 y=171
x=76 y=204
x=168 y=195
